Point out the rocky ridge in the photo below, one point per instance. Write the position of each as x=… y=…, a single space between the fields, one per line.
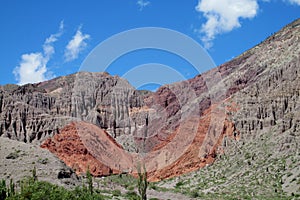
x=33 y=112
x=255 y=92
x=250 y=82
x=263 y=162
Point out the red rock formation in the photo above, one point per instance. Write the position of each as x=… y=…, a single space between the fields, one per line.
x=179 y=128
x=81 y=145
x=68 y=146
x=194 y=157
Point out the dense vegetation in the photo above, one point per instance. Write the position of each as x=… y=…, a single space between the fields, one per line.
x=33 y=189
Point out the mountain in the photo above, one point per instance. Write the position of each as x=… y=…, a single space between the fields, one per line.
x=262 y=161
x=243 y=113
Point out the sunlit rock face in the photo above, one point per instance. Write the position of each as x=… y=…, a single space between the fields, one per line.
x=241 y=99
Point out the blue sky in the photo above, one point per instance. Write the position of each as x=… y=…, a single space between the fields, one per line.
x=45 y=39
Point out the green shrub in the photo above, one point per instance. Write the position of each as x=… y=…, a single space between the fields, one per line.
x=153 y=186
x=130 y=188
x=43 y=161
x=194 y=194
x=179 y=184
x=131 y=195
x=12 y=155
x=116 y=193
x=3 y=190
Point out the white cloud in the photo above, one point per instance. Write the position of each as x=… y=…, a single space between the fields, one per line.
x=142 y=4
x=48 y=47
x=33 y=66
x=76 y=45
x=295 y=2
x=223 y=16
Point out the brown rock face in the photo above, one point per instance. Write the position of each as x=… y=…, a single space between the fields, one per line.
x=197 y=154
x=68 y=146
x=83 y=145
x=33 y=112
x=175 y=130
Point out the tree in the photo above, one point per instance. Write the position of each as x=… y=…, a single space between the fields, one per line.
x=142 y=181
x=90 y=180
x=34 y=176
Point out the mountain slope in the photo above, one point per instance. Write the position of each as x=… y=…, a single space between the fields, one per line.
x=264 y=162
x=246 y=92
x=33 y=112
x=246 y=110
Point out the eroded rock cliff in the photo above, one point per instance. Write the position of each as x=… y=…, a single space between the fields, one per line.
x=33 y=112
x=182 y=126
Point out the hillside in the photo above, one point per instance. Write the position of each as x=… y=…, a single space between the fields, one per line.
x=233 y=130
